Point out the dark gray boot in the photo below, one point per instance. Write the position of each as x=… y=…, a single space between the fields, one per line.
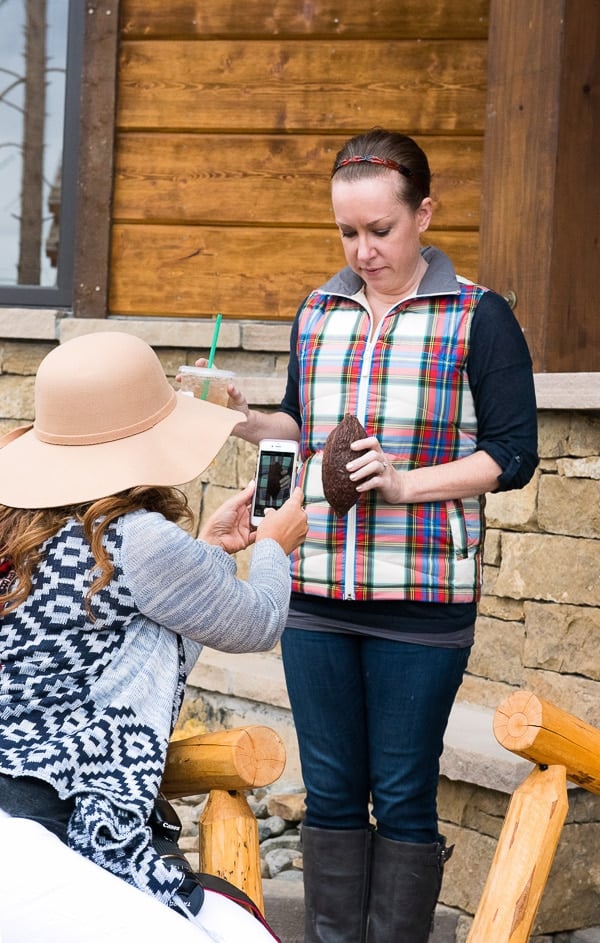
x=336 y=884
x=405 y=884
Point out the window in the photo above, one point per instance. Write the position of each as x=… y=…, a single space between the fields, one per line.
x=41 y=58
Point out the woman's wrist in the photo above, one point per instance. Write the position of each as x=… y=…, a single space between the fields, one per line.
x=246 y=430
x=397 y=493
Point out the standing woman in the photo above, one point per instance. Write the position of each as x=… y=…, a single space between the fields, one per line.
x=384 y=598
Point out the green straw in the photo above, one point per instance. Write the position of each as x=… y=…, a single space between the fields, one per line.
x=211 y=356
x=213 y=346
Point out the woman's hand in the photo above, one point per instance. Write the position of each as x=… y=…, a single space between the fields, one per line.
x=237 y=400
x=374 y=471
x=288 y=525
x=229 y=526
x=259 y=425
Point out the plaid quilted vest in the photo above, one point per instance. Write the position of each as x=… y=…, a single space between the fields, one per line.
x=407 y=384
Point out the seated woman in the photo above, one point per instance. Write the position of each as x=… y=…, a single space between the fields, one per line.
x=103 y=612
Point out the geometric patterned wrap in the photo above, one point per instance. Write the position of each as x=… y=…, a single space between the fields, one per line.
x=70 y=713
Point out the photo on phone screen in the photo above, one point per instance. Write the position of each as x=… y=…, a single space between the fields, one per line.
x=275 y=475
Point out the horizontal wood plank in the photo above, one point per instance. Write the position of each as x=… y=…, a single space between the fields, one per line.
x=437 y=19
x=252 y=272
x=287 y=85
x=274 y=179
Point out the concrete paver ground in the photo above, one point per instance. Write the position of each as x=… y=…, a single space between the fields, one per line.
x=284 y=909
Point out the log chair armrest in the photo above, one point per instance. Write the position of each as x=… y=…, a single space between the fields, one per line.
x=224 y=764
x=543 y=733
x=242 y=758
x=564 y=747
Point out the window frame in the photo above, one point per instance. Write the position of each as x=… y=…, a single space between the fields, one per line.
x=61 y=294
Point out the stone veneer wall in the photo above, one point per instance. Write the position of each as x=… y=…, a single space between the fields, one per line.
x=539 y=620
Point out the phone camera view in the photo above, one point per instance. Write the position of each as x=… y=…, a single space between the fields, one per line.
x=274 y=481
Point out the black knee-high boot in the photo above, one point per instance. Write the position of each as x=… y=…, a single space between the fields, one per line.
x=405 y=884
x=336 y=883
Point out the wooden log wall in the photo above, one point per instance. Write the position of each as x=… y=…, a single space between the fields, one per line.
x=228 y=120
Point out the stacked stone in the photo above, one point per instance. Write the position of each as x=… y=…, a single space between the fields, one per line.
x=539 y=618
x=278 y=818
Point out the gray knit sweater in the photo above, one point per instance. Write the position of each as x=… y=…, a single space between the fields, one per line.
x=89 y=706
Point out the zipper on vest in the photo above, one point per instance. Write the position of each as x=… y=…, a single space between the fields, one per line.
x=361 y=408
x=350 y=556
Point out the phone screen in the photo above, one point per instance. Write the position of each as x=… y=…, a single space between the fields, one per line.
x=273 y=480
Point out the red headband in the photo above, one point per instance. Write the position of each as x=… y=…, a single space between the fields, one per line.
x=372 y=159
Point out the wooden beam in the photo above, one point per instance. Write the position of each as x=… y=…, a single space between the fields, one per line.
x=243 y=758
x=223 y=85
x=438 y=19
x=524 y=856
x=96 y=159
x=539 y=731
x=269 y=178
x=242 y=271
x=540 y=210
x=229 y=843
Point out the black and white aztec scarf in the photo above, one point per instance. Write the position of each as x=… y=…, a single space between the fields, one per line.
x=53 y=727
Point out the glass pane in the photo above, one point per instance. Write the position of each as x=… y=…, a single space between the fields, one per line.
x=33 y=44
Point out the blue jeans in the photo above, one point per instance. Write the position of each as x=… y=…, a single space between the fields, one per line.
x=370 y=716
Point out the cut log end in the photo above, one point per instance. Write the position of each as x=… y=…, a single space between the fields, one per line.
x=517 y=720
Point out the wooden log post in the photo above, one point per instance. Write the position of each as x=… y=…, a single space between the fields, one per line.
x=229 y=844
x=524 y=855
x=243 y=758
x=224 y=764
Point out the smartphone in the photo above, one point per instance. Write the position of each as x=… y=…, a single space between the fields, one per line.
x=275 y=476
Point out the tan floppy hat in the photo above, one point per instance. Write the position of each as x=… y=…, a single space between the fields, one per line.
x=107 y=419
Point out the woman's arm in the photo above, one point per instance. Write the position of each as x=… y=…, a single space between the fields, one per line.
x=501 y=380
x=191 y=587
x=473 y=475
x=259 y=425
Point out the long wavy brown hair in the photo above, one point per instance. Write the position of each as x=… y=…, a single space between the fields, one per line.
x=24 y=532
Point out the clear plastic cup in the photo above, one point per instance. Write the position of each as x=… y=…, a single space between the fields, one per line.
x=207 y=383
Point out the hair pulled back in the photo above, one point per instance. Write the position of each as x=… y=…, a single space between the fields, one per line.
x=376 y=152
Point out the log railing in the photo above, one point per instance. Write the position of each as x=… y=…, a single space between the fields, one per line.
x=224 y=764
x=563 y=748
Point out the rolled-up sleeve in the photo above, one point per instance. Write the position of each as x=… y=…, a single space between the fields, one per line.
x=501 y=379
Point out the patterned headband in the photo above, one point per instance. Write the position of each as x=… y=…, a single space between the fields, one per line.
x=371 y=159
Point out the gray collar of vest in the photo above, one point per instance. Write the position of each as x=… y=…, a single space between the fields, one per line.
x=439 y=279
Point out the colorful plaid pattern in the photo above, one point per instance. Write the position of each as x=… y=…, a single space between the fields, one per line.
x=408 y=386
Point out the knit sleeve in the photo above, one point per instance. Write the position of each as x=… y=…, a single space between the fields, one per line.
x=191 y=587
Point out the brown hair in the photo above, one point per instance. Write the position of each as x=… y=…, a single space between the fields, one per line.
x=24 y=532
x=376 y=152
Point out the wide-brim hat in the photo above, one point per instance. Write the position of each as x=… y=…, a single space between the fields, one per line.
x=107 y=419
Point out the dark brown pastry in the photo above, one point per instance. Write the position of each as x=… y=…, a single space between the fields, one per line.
x=340 y=492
